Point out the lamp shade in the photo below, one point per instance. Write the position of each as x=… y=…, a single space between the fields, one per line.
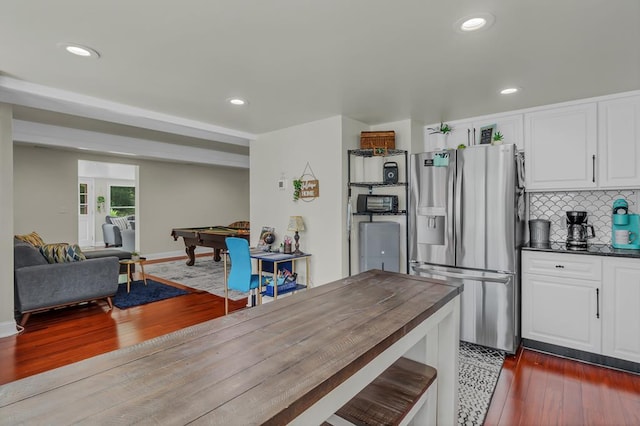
x=295 y=223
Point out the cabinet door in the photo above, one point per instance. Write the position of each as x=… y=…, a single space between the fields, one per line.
x=560 y=146
x=561 y=311
x=621 y=309
x=510 y=127
x=619 y=143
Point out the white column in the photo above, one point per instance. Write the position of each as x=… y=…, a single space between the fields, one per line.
x=7 y=321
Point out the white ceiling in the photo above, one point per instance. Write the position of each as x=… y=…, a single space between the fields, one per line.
x=297 y=61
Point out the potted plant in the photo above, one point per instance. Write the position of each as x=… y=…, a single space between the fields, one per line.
x=135 y=255
x=443 y=128
x=497 y=138
x=441 y=133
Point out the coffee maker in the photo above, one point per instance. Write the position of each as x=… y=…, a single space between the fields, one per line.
x=624 y=226
x=577 y=230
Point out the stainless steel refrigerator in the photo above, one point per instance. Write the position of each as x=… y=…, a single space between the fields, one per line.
x=466 y=223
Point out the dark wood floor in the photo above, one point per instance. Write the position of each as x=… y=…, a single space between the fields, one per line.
x=64 y=336
x=533 y=388
x=540 y=389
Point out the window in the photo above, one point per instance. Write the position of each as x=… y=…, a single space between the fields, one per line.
x=123 y=200
x=83 y=201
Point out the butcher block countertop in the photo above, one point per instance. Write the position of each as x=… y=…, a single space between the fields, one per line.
x=263 y=365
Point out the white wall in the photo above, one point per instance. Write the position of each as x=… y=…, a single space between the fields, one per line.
x=7 y=322
x=285 y=153
x=170 y=195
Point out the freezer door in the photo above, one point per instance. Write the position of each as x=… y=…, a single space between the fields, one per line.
x=431 y=221
x=489 y=313
x=486 y=208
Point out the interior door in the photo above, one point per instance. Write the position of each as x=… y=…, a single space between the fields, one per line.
x=86 y=220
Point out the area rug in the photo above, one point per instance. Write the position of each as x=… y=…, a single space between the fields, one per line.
x=141 y=294
x=205 y=275
x=479 y=369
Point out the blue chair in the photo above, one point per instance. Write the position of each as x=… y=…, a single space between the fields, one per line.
x=240 y=277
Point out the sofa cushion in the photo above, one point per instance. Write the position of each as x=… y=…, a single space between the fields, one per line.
x=25 y=254
x=33 y=238
x=62 y=252
x=120 y=222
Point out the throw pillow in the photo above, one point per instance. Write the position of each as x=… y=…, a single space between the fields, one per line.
x=120 y=222
x=62 y=252
x=33 y=238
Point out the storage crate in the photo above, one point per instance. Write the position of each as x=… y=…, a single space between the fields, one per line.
x=380 y=142
x=281 y=288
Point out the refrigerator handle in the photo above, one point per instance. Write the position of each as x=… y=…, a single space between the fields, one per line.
x=457 y=209
x=503 y=279
x=520 y=169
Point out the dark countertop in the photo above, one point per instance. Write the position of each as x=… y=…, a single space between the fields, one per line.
x=592 y=249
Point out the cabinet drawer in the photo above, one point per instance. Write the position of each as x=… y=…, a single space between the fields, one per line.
x=562 y=265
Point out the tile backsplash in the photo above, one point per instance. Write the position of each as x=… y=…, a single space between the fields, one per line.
x=598 y=205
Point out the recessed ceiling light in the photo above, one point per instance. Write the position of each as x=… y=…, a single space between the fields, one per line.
x=79 y=50
x=509 y=90
x=237 y=101
x=475 y=22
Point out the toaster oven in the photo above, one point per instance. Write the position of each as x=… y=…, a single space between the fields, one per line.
x=376 y=203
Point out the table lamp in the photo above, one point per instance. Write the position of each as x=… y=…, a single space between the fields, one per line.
x=296 y=224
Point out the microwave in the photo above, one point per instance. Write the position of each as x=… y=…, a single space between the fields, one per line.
x=371 y=203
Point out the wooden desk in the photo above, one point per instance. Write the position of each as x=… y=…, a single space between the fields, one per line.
x=295 y=360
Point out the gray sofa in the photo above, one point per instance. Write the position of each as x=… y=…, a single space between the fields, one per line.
x=40 y=285
x=115 y=236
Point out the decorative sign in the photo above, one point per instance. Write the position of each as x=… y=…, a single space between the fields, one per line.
x=307 y=187
x=486 y=134
x=310 y=188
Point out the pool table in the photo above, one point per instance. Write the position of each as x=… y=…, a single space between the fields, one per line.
x=212 y=236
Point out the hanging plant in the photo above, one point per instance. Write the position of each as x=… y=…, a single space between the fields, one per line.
x=297 y=187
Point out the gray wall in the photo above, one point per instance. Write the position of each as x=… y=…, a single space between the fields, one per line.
x=170 y=195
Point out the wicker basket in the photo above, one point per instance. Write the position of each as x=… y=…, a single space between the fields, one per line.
x=380 y=142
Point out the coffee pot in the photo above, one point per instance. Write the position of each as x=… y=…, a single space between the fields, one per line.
x=578 y=230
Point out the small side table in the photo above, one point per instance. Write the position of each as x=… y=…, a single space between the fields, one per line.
x=129 y=262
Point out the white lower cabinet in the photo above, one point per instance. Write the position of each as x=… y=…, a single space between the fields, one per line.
x=557 y=308
x=584 y=302
x=621 y=308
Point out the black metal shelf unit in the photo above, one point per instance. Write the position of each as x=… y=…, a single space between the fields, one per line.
x=368 y=153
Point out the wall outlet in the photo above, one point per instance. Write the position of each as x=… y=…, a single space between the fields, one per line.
x=282 y=184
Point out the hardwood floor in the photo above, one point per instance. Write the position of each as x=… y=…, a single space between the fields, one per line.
x=540 y=389
x=64 y=336
x=533 y=388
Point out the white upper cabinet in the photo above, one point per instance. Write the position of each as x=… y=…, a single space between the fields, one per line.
x=510 y=127
x=619 y=143
x=468 y=132
x=561 y=148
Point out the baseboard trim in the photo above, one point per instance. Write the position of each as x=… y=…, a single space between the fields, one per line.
x=588 y=357
x=8 y=328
